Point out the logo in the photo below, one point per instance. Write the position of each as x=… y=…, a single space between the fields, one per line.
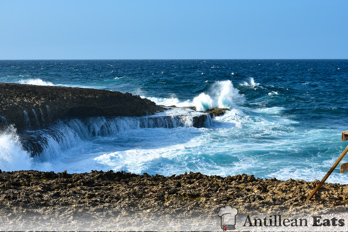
x=228 y=217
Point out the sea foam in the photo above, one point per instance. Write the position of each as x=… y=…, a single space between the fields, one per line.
x=35 y=82
x=221 y=94
x=12 y=155
x=250 y=82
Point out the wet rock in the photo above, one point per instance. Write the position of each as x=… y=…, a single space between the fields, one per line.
x=217 y=111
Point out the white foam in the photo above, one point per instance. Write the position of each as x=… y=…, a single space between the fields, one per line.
x=36 y=82
x=203 y=102
x=172 y=101
x=136 y=160
x=12 y=155
x=163 y=101
x=307 y=174
x=221 y=94
x=250 y=82
x=273 y=93
x=270 y=111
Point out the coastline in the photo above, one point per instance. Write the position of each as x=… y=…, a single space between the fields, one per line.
x=35 y=107
x=35 y=200
x=31 y=108
x=28 y=197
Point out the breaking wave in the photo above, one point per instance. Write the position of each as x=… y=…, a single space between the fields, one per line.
x=221 y=94
x=36 y=82
x=12 y=155
x=250 y=82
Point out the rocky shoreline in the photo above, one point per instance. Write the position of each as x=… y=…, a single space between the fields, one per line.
x=32 y=197
x=30 y=108
x=35 y=107
x=34 y=200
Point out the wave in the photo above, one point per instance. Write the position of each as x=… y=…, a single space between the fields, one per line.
x=67 y=134
x=172 y=101
x=221 y=94
x=44 y=146
x=251 y=82
x=36 y=82
x=12 y=155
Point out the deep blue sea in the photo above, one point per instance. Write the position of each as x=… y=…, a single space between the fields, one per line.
x=285 y=118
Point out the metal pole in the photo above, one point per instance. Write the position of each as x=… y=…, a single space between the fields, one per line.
x=328 y=173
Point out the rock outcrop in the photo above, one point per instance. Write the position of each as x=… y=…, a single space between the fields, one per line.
x=216 y=111
x=200 y=121
x=35 y=107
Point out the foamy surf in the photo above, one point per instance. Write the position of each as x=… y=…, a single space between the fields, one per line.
x=221 y=94
x=12 y=155
x=251 y=82
x=36 y=82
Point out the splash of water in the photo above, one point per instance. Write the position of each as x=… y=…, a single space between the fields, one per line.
x=221 y=94
x=36 y=82
x=12 y=155
x=203 y=102
x=251 y=82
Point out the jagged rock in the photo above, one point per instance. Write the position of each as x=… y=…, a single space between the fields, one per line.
x=199 y=121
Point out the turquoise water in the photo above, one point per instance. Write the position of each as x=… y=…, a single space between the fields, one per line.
x=285 y=117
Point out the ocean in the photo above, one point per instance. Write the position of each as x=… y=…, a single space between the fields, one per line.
x=285 y=119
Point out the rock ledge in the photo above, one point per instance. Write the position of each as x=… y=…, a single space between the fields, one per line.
x=35 y=107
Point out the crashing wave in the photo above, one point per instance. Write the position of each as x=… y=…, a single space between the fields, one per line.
x=36 y=82
x=251 y=82
x=11 y=152
x=221 y=94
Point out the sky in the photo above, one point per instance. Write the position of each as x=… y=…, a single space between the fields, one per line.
x=173 y=29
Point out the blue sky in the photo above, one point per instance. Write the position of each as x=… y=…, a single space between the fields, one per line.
x=176 y=29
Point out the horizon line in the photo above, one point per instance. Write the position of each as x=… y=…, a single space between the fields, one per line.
x=88 y=59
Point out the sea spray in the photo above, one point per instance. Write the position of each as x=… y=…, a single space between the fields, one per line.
x=251 y=83
x=12 y=155
x=203 y=102
x=221 y=94
x=36 y=82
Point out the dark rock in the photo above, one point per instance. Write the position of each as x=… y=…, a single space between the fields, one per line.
x=34 y=107
x=216 y=111
x=199 y=121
